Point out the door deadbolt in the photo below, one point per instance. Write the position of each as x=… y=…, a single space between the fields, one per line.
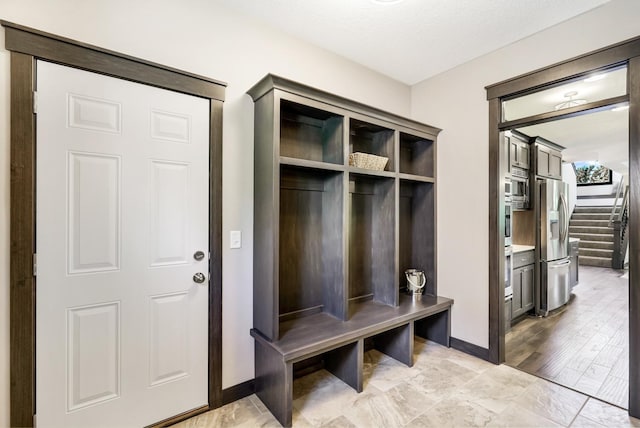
x=198 y=255
x=199 y=278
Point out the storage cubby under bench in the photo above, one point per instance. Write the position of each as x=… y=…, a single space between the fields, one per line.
x=342 y=344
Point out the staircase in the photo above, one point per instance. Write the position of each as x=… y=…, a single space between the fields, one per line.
x=591 y=225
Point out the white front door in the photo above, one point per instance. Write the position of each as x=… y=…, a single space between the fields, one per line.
x=121 y=209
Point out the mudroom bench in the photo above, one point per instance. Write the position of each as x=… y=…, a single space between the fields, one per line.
x=341 y=344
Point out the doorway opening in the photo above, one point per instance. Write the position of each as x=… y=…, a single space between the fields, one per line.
x=583 y=344
x=625 y=54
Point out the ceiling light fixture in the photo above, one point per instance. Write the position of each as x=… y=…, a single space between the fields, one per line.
x=595 y=77
x=570 y=102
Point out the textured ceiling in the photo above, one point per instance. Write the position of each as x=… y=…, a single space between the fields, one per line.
x=414 y=39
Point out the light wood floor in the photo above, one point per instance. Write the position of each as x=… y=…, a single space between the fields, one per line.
x=584 y=345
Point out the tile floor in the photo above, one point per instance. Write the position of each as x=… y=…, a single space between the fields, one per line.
x=444 y=388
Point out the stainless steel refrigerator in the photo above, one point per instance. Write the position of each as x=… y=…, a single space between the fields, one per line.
x=554 y=246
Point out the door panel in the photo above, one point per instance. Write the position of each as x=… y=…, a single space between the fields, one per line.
x=121 y=207
x=93 y=355
x=169 y=329
x=93 y=213
x=168 y=216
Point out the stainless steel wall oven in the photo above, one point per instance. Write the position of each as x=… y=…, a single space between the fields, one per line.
x=520 y=189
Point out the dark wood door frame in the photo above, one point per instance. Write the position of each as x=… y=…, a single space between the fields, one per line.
x=26 y=46
x=624 y=53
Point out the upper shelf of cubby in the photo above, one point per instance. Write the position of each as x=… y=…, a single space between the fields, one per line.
x=271 y=81
x=304 y=163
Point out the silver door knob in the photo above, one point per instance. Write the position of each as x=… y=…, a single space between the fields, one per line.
x=199 y=278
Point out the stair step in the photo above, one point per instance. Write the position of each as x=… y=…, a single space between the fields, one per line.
x=595 y=209
x=591 y=229
x=604 y=245
x=589 y=222
x=594 y=261
x=590 y=216
x=606 y=237
x=597 y=252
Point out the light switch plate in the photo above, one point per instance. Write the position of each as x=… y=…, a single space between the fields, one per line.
x=235 y=239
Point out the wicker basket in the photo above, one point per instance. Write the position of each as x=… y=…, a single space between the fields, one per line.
x=368 y=161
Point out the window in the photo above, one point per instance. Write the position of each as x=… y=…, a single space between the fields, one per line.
x=585 y=89
x=589 y=173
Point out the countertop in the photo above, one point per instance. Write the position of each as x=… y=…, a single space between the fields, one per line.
x=521 y=248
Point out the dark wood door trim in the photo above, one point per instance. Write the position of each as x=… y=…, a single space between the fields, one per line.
x=22 y=312
x=26 y=46
x=627 y=52
x=215 y=261
x=88 y=57
x=570 y=69
x=633 y=85
x=496 y=246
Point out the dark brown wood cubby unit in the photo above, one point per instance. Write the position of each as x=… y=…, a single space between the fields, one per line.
x=332 y=241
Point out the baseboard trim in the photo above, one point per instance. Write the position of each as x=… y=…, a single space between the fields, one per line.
x=469 y=348
x=236 y=392
x=179 y=418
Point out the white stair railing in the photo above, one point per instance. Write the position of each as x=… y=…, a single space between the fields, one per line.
x=624 y=200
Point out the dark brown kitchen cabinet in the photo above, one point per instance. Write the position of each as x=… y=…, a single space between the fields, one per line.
x=522 y=291
x=548 y=159
x=519 y=152
x=332 y=240
x=522 y=283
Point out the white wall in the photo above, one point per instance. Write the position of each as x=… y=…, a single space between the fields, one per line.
x=199 y=36
x=456 y=101
x=569 y=177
